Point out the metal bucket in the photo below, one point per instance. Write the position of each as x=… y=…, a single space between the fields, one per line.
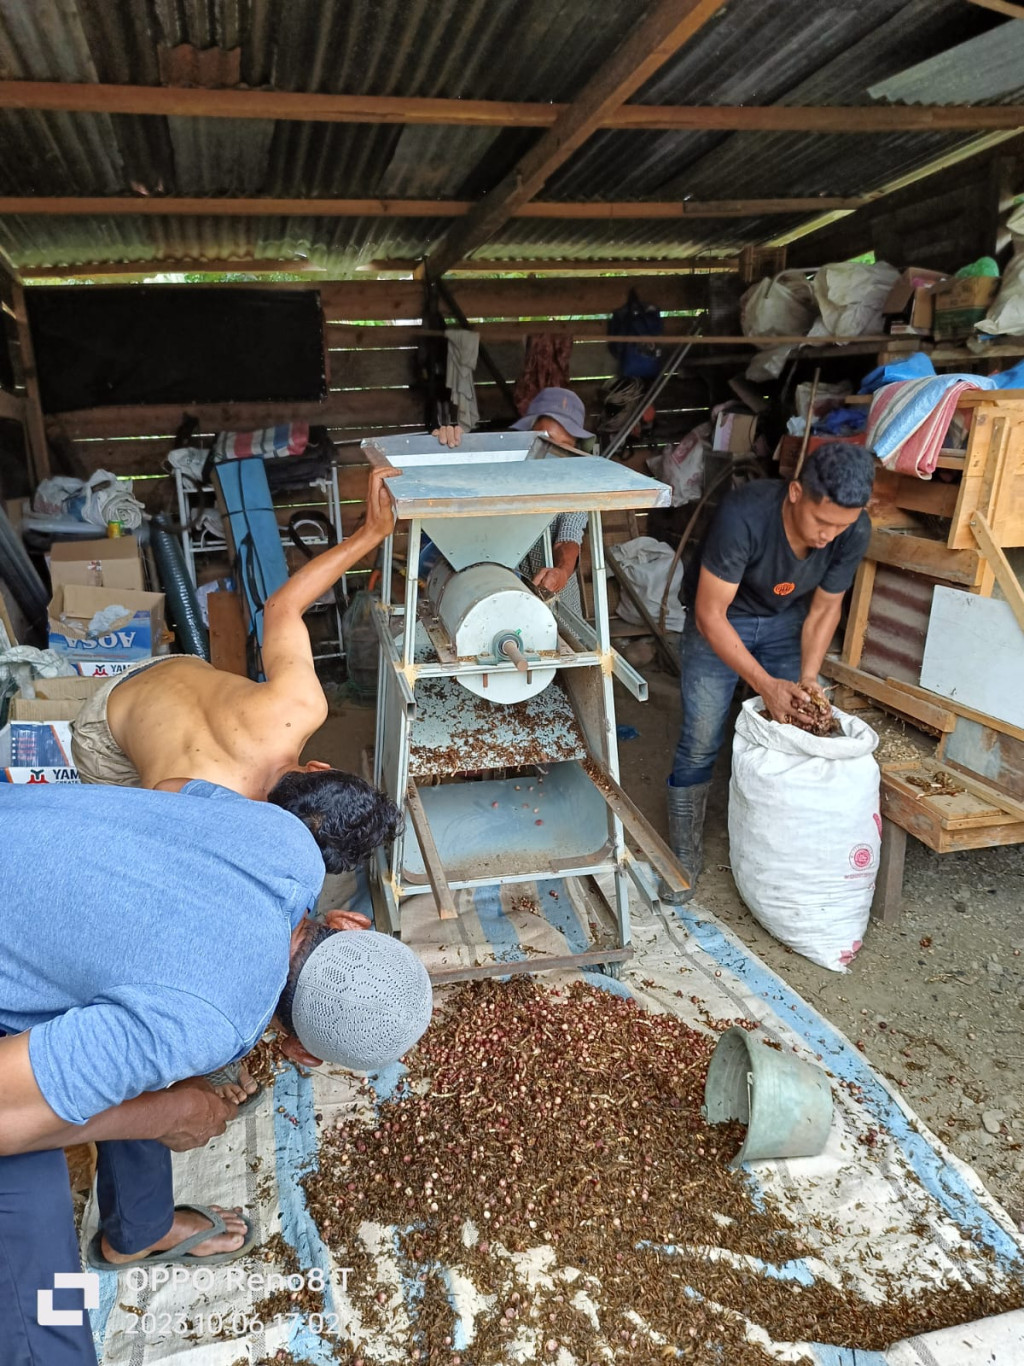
x=785 y=1103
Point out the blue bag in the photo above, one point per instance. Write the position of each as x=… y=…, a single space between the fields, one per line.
x=637 y=360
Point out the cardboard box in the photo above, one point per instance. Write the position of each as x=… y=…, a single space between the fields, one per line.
x=959 y=304
x=135 y=635
x=101 y=668
x=36 y=752
x=56 y=699
x=112 y=563
x=735 y=432
x=915 y=282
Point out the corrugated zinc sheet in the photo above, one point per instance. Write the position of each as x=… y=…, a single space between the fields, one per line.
x=752 y=51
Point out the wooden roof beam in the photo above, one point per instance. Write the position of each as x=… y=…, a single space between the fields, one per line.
x=1006 y=7
x=154 y=206
x=658 y=36
x=692 y=265
x=190 y=266
x=288 y=106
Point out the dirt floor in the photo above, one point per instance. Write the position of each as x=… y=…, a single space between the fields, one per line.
x=936 y=1002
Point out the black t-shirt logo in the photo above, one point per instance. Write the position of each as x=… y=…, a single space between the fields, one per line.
x=783 y=590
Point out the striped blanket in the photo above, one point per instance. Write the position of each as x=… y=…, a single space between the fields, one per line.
x=290 y=438
x=909 y=420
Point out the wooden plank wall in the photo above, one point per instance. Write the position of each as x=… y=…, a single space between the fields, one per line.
x=13 y=409
x=371 y=331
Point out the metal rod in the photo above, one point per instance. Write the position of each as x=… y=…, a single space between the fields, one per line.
x=391 y=656
x=586 y=635
x=657 y=384
x=512 y=651
x=412 y=565
x=446 y=908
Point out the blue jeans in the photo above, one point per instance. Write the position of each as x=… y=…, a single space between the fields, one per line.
x=708 y=686
x=37 y=1239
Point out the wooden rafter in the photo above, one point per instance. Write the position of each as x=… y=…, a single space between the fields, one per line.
x=692 y=265
x=1006 y=7
x=289 y=106
x=669 y=25
x=181 y=266
x=150 y=206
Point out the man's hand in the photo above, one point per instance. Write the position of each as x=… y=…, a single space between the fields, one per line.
x=783 y=698
x=380 y=511
x=554 y=580
x=813 y=688
x=448 y=436
x=202 y=1115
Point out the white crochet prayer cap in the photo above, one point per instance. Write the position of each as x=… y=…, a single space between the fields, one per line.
x=362 y=1000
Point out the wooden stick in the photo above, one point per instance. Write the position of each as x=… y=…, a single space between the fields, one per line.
x=446 y=908
x=807 y=426
x=1001 y=567
x=654 y=848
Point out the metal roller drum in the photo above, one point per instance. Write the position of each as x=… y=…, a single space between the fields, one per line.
x=490 y=614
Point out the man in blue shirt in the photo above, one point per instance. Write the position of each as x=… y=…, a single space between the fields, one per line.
x=764 y=599
x=147 y=938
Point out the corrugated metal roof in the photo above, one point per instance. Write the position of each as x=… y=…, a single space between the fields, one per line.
x=753 y=51
x=983 y=68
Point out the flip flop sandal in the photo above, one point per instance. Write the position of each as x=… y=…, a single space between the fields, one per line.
x=181 y=1254
x=228 y=1076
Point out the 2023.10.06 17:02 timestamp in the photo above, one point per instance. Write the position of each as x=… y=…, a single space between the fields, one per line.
x=236 y=1325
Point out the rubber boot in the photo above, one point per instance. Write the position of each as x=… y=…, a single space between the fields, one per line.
x=686 y=810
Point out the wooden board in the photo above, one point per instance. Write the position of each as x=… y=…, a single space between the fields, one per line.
x=919 y=819
x=936 y=717
x=960 y=709
x=363 y=300
x=922 y=555
x=964 y=810
x=227 y=634
x=975 y=653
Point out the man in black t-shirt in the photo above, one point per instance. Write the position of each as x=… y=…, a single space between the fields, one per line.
x=764 y=600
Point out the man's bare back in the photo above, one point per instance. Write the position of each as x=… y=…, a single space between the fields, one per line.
x=180 y=719
x=187 y=719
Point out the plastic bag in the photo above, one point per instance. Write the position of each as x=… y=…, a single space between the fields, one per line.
x=805 y=832
x=851 y=296
x=362 y=646
x=645 y=563
x=681 y=466
x=783 y=307
x=1006 y=315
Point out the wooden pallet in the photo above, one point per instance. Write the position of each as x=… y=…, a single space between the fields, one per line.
x=944 y=808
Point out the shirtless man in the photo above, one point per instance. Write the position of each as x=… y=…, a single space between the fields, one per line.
x=173 y=719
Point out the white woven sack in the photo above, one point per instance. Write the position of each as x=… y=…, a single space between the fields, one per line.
x=805 y=832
